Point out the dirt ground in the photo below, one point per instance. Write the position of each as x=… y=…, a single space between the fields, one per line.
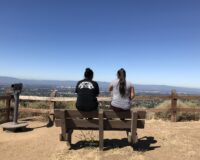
x=159 y=140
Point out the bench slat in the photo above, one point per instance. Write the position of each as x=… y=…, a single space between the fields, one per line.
x=94 y=124
x=95 y=114
x=76 y=113
x=124 y=125
x=123 y=114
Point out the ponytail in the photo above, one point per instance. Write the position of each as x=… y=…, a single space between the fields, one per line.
x=122 y=81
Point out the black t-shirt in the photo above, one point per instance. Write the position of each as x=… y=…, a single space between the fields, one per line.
x=87 y=91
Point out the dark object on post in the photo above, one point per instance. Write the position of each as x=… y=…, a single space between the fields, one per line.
x=17 y=87
x=15 y=125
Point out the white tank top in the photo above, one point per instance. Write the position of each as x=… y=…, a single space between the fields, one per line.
x=117 y=100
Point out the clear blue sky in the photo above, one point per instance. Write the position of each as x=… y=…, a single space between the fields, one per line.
x=156 y=41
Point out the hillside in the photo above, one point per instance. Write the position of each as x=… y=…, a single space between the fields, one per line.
x=140 y=88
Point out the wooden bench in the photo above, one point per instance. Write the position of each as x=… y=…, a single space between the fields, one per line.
x=101 y=120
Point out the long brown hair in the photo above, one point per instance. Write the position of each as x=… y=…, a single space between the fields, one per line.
x=122 y=81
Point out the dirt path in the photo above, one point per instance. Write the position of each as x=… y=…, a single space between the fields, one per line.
x=159 y=140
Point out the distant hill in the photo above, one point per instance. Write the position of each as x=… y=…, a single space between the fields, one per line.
x=153 y=89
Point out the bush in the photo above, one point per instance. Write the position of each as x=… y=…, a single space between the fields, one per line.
x=181 y=116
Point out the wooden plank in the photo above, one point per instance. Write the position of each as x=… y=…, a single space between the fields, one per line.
x=51 y=99
x=141 y=114
x=81 y=114
x=5 y=97
x=101 y=129
x=71 y=113
x=32 y=110
x=117 y=124
x=94 y=124
x=68 y=99
x=4 y=110
x=83 y=123
x=189 y=97
x=56 y=99
x=79 y=123
x=195 y=109
x=94 y=115
x=115 y=114
x=160 y=97
x=123 y=114
x=157 y=110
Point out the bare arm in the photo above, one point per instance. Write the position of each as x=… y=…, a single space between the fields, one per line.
x=132 y=93
x=110 y=88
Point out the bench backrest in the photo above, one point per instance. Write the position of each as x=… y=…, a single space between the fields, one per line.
x=112 y=120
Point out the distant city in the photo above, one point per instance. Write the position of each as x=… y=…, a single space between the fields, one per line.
x=67 y=88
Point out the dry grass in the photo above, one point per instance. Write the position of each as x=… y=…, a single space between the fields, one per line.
x=162 y=140
x=181 y=116
x=2 y=104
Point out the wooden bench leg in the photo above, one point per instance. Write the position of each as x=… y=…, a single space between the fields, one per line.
x=63 y=135
x=133 y=127
x=101 y=130
x=129 y=137
x=69 y=137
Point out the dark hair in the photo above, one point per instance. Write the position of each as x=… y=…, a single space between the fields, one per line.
x=122 y=81
x=88 y=73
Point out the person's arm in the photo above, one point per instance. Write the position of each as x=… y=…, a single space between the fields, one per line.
x=97 y=89
x=132 y=92
x=76 y=90
x=110 y=88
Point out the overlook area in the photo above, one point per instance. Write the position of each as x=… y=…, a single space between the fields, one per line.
x=100 y=80
x=161 y=140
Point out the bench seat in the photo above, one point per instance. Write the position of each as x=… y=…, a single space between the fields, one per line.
x=102 y=120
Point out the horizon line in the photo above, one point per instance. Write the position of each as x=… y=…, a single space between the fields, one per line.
x=35 y=79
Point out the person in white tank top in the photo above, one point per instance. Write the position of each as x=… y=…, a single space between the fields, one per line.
x=122 y=92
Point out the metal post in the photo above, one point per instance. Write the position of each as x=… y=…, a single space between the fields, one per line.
x=16 y=97
x=15 y=125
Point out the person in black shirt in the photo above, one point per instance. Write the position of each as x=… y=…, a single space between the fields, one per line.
x=87 y=91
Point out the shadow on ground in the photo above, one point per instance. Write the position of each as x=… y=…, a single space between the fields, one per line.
x=28 y=129
x=143 y=145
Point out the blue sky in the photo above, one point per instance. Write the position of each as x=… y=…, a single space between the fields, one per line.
x=155 y=41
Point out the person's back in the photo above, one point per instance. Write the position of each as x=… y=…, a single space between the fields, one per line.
x=87 y=91
x=122 y=92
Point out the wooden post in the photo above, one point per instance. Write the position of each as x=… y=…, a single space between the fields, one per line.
x=52 y=105
x=63 y=135
x=101 y=129
x=53 y=94
x=133 y=126
x=8 y=109
x=8 y=92
x=173 y=105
